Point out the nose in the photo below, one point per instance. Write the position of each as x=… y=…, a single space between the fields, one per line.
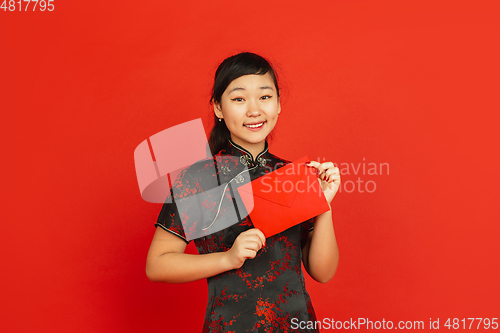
x=253 y=109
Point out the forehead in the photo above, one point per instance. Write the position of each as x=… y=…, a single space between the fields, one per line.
x=251 y=82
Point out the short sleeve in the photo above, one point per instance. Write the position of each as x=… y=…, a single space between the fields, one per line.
x=305 y=228
x=169 y=218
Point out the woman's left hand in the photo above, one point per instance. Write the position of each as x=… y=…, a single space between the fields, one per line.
x=329 y=178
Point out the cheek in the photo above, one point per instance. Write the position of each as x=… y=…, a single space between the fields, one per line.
x=234 y=122
x=230 y=116
x=270 y=110
x=274 y=116
x=272 y=121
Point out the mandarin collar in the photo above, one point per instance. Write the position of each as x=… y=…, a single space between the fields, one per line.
x=245 y=156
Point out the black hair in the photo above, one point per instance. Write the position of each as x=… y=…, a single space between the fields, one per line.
x=231 y=68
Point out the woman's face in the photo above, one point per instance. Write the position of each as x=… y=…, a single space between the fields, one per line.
x=250 y=108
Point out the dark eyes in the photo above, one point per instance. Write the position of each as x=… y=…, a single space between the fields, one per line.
x=239 y=99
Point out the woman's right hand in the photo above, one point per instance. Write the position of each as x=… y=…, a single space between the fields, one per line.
x=245 y=246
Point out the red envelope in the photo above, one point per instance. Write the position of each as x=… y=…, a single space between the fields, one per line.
x=284 y=198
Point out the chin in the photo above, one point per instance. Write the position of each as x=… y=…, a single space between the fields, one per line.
x=258 y=139
x=253 y=139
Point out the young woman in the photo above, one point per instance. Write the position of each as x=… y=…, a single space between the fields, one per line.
x=255 y=284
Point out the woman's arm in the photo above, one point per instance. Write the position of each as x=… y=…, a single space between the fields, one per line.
x=167 y=262
x=321 y=253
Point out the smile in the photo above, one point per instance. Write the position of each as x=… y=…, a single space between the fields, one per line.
x=255 y=126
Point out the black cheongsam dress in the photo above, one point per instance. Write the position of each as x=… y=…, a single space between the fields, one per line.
x=268 y=293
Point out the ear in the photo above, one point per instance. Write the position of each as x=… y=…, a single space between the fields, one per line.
x=279 y=107
x=218 y=110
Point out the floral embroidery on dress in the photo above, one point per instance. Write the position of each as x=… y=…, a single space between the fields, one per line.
x=225 y=170
x=240 y=179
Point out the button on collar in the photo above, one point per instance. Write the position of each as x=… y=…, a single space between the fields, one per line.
x=246 y=156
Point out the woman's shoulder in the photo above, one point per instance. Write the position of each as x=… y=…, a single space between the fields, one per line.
x=194 y=175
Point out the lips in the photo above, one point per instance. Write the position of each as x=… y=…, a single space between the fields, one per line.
x=254 y=125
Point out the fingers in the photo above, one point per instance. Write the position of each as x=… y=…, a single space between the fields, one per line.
x=325 y=166
x=248 y=243
x=258 y=233
x=261 y=235
x=327 y=171
x=335 y=178
x=321 y=167
x=331 y=174
x=252 y=243
x=251 y=248
x=249 y=254
x=313 y=164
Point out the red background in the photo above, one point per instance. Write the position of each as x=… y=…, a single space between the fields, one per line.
x=411 y=84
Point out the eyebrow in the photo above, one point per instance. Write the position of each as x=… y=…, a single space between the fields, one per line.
x=241 y=88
